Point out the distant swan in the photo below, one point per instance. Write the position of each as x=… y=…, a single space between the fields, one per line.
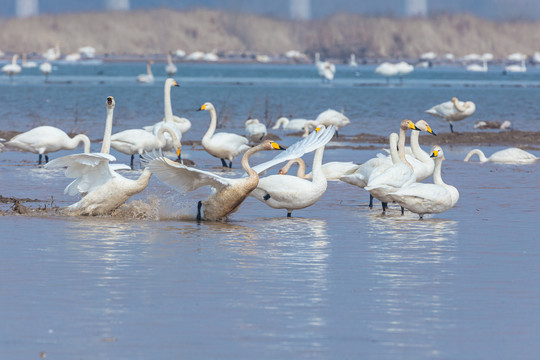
x=333 y=170
x=13 y=68
x=478 y=68
x=325 y=69
x=507 y=156
x=403 y=68
x=387 y=70
x=352 y=61
x=46 y=69
x=222 y=145
x=44 y=140
x=453 y=110
x=423 y=198
x=515 y=68
x=255 y=131
x=27 y=64
x=170 y=68
x=148 y=77
x=228 y=193
x=327 y=118
x=105 y=189
x=290 y=125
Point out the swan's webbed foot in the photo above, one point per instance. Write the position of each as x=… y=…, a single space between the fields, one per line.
x=199 y=205
x=223 y=163
x=370 y=201
x=266 y=197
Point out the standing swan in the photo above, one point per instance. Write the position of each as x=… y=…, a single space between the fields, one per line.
x=423 y=198
x=46 y=69
x=327 y=118
x=453 y=110
x=13 y=68
x=255 y=131
x=221 y=145
x=105 y=189
x=228 y=193
x=290 y=125
x=507 y=156
x=148 y=77
x=43 y=140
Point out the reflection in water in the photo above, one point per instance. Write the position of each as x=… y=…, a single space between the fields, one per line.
x=412 y=267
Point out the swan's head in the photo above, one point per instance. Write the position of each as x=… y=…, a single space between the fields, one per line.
x=110 y=102
x=454 y=99
x=408 y=125
x=272 y=145
x=206 y=106
x=150 y=62
x=437 y=152
x=171 y=82
x=252 y=121
x=424 y=126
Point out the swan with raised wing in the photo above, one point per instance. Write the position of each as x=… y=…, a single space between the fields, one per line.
x=511 y=155
x=453 y=110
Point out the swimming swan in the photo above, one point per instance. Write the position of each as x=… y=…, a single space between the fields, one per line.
x=228 y=193
x=105 y=189
x=170 y=68
x=255 y=131
x=221 y=145
x=333 y=170
x=507 y=156
x=290 y=125
x=44 y=140
x=453 y=110
x=148 y=77
x=423 y=198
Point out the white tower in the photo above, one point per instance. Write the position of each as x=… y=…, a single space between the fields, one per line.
x=122 y=5
x=300 y=9
x=26 y=8
x=416 y=7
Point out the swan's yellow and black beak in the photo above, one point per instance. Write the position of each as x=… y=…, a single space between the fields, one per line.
x=412 y=126
x=203 y=107
x=430 y=131
x=276 y=146
x=435 y=153
x=318 y=128
x=110 y=100
x=176 y=84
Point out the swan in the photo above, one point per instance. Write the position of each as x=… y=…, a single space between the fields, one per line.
x=46 y=69
x=255 y=131
x=139 y=141
x=327 y=118
x=222 y=145
x=182 y=124
x=507 y=156
x=352 y=61
x=292 y=192
x=228 y=193
x=290 y=125
x=516 y=68
x=453 y=110
x=44 y=140
x=422 y=163
x=396 y=176
x=13 y=68
x=333 y=170
x=148 y=77
x=103 y=189
x=423 y=198
x=52 y=54
x=170 y=68
x=325 y=69
x=387 y=70
x=478 y=68
x=27 y=64
x=403 y=68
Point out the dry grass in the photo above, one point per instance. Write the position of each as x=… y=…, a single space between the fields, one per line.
x=158 y=31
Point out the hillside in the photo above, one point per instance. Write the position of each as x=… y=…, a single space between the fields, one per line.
x=158 y=31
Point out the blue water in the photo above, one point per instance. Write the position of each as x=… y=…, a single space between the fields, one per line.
x=336 y=281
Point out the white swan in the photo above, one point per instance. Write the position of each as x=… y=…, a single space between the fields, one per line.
x=453 y=110
x=27 y=64
x=387 y=70
x=423 y=198
x=327 y=118
x=13 y=68
x=170 y=68
x=396 y=176
x=105 y=189
x=507 y=156
x=325 y=69
x=228 y=193
x=403 y=68
x=255 y=131
x=221 y=145
x=333 y=170
x=516 y=68
x=52 y=54
x=352 y=61
x=477 y=67
x=292 y=192
x=422 y=163
x=46 y=69
x=44 y=140
x=290 y=125
x=148 y=77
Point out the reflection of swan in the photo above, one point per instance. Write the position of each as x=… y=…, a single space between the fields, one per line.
x=139 y=141
x=43 y=140
x=478 y=68
x=332 y=170
x=222 y=145
x=255 y=131
x=325 y=69
x=507 y=156
x=428 y=198
x=148 y=77
x=516 y=68
x=228 y=193
x=170 y=68
x=327 y=118
x=13 y=68
x=105 y=189
x=46 y=69
x=453 y=110
x=292 y=192
x=290 y=125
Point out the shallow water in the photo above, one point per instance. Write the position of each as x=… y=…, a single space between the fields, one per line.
x=337 y=280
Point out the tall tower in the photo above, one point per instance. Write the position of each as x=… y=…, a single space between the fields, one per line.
x=300 y=9
x=117 y=5
x=416 y=7
x=26 y=8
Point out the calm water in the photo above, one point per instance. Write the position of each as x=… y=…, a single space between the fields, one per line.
x=336 y=281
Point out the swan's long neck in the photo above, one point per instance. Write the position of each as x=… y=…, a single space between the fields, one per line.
x=318 y=174
x=168 y=105
x=212 y=127
x=169 y=59
x=401 y=147
x=308 y=124
x=458 y=106
x=394 y=151
x=478 y=152
x=301 y=172
x=161 y=136
x=81 y=138
x=417 y=150
x=149 y=69
x=281 y=121
x=437 y=178
x=253 y=177
x=106 y=147
x=14 y=59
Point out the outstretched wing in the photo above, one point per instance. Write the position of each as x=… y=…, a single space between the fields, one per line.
x=89 y=170
x=183 y=178
x=310 y=143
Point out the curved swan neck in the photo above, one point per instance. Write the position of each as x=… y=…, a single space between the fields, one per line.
x=106 y=146
x=281 y=121
x=416 y=149
x=307 y=126
x=437 y=178
x=478 y=152
x=252 y=174
x=401 y=146
x=213 y=125
x=84 y=139
x=167 y=103
x=301 y=172
x=459 y=106
x=161 y=135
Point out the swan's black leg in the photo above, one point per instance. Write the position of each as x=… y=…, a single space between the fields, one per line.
x=402 y=210
x=46 y=158
x=337 y=135
x=230 y=164
x=384 y=206
x=131 y=163
x=370 y=201
x=199 y=205
x=451 y=128
x=39 y=159
x=223 y=163
x=289 y=214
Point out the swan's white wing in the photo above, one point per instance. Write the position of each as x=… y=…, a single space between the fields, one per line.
x=90 y=170
x=181 y=177
x=310 y=143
